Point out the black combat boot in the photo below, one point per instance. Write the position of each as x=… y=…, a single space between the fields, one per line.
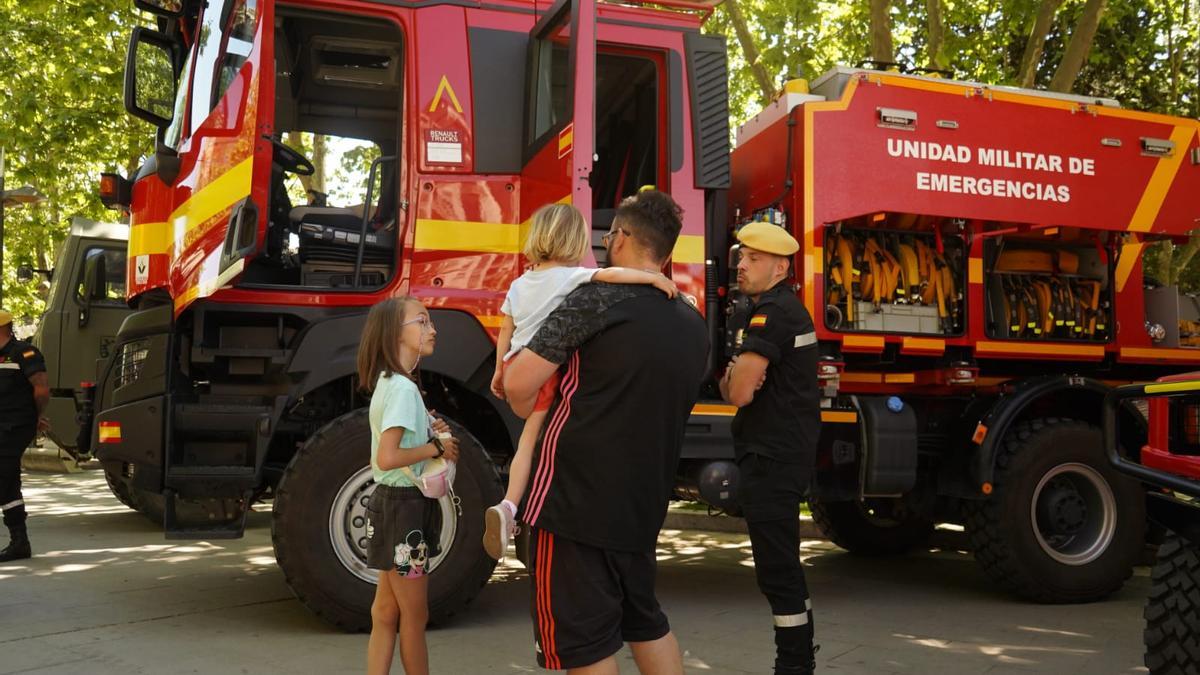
x=789 y=662
x=18 y=548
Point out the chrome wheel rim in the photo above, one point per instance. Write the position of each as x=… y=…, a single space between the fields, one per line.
x=1074 y=514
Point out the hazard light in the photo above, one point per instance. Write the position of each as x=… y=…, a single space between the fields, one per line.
x=115 y=191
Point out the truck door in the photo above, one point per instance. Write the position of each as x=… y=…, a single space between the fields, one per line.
x=560 y=110
x=222 y=193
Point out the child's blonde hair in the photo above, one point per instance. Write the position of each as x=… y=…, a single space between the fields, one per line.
x=557 y=233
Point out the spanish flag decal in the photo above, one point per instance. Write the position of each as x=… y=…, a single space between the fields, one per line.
x=758 y=320
x=110 y=432
x=29 y=354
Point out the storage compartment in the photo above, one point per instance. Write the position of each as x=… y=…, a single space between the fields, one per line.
x=903 y=276
x=1047 y=290
x=1177 y=313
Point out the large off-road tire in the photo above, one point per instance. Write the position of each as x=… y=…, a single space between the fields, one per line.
x=871 y=527
x=319 y=528
x=120 y=487
x=1172 y=634
x=1060 y=526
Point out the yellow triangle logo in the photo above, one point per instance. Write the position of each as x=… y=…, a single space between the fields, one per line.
x=444 y=87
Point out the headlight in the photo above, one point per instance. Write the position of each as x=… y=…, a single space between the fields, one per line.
x=131 y=361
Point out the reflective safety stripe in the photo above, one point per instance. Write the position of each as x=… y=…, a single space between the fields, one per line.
x=10 y=366
x=790 y=620
x=808 y=604
x=12 y=505
x=806 y=340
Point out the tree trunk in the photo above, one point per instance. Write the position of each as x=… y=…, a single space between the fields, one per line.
x=750 y=51
x=936 y=34
x=1183 y=257
x=1078 y=46
x=1027 y=73
x=296 y=140
x=320 y=150
x=881 y=32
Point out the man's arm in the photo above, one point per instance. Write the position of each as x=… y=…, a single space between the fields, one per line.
x=525 y=375
x=580 y=316
x=743 y=378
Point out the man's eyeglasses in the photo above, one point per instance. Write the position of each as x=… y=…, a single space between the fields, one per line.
x=425 y=321
x=606 y=238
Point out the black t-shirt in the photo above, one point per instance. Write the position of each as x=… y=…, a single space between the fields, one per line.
x=784 y=419
x=19 y=361
x=633 y=364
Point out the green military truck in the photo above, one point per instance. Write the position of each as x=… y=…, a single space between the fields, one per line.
x=84 y=309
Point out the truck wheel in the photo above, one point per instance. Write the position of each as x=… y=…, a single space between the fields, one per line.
x=1173 y=609
x=119 y=486
x=319 y=528
x=871 y=527
x=1060 y=525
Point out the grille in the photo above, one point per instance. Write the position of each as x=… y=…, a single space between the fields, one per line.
x=131 y=361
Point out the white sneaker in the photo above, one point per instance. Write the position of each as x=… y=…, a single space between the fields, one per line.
x=497 y=525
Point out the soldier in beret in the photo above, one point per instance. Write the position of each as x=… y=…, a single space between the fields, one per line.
x=772 y=379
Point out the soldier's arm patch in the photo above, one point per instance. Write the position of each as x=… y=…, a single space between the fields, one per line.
x=758 y=321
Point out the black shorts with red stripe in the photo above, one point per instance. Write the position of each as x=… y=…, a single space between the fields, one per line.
x=588 y=601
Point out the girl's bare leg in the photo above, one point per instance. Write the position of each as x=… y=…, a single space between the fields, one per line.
x=385 y=619
x=412 y=596
x=522 y=463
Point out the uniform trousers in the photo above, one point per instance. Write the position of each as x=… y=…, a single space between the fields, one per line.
x=770 y=492
x=13 y=443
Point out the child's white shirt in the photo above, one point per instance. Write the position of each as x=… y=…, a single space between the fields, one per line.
x=534 y=295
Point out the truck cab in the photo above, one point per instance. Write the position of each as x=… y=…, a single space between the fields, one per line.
x=84 y=310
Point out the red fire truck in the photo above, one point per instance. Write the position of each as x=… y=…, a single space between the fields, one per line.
x=1170 y=461
x=947 y=228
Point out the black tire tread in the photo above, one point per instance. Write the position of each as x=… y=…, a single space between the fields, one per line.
x=861 y=539
x=984 y=516
x=442 y=612
x=1172 y=634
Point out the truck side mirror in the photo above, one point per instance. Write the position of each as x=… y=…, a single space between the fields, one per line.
x=24 y=273
x=151 y=76
x=94 y=283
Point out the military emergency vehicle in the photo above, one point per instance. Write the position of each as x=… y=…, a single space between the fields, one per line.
x=940 y=222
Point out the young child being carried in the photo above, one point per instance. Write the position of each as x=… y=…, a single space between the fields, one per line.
x=559 y=238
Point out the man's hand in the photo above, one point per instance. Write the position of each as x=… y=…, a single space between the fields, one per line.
x=498 y=384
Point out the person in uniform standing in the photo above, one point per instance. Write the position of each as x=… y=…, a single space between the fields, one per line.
x=772 y=379
x=24 y=393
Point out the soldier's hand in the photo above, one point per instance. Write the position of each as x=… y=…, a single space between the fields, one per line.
x=43 y=425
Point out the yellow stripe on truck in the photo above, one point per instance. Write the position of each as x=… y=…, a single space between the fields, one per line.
x=509 y=238
x=1160 y=182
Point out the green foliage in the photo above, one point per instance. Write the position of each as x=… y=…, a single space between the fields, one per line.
x=62 y=122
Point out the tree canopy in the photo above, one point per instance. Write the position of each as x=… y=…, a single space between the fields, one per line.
x=61 y=69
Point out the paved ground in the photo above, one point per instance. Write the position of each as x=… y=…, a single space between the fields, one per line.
x=107 y=594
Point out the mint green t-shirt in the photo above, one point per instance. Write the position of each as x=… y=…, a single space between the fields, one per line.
x=397 y=403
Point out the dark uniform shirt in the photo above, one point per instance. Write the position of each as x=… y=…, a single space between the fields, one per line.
x=784 y=419
x=19 y=361
x=634 y=362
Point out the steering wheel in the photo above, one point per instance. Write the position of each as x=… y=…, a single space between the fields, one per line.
x=290 y=160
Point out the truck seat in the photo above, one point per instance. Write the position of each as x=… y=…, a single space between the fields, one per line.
x=329 y=234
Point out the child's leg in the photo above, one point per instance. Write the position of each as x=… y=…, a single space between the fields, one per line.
x=385 y=618
x=412 y=595
x=522 y=463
